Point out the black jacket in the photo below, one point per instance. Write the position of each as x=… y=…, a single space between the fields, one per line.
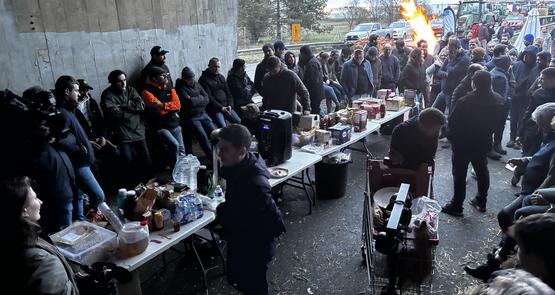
x=193 y=99
x=94 y=125
x=462 y=89
x=473 y=120
x=416 y=147
x=313 y=81
x=249 y=212
x=528 y=130
x=282 y=90
x=217 y=90
x=260 y=72
x=75 y=142
x=413 y=77
x=241 y=88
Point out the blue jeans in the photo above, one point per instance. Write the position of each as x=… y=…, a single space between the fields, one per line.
x=88 y=185
x=330 y=96
x=175 y=140
x=528 y=209
x=338 y=89
x=221 y=117
x=443 y=103
x=201 y=126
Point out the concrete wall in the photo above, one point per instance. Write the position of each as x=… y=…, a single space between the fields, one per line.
x=43 y=39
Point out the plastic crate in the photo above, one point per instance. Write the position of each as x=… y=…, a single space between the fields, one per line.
x=86 y=242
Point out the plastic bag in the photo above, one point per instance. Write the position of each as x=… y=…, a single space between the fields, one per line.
x=426 y=210
x=185 y=171
x=188 y=208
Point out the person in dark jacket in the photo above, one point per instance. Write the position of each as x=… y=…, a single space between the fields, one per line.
x=251 y=220
x=90 y=117
x=193 y=110
x=451 y=74
x=427 y=59
x=477 y=56
x=483 y=34
x=471 y=125
x=281 y=89
x=529 y=135
x=498 y=50
x=401 y=52
x=413 y=75
x=500 y=77
x=162 y=108
x=220 y=107
x=290 y=61
x=376 y=63
x=261 y=68
x=332 y=94
x=505 y=29
x=123 y=110
x=346 y=54
x=414 y=142
x=279 y=49
x=357 y=76
x=390 y=69
x=240 y=86
x=522 y=71
x=76 y=145
x=542 y=60
x=36 y=266
x=465 y=86
x=311 y=75
x=157 y=59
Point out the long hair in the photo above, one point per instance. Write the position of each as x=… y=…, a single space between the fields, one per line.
x=14 y=192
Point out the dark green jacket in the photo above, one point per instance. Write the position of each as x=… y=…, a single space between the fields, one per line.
x=124 y=114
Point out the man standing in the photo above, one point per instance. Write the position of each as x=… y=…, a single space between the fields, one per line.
x=123 y=109
x=221 y=107
x=428 y=59
x=157 y=59
x=401 y=52
x=262 y=67
x=505 y=29
x=281 y=88
x=500 y=77
x=356 y=76
x=250 y=218
x=89 y=116
x=390 y=69
x=375 y=62
x=279 y=48
x=312 y=78
x=471 y=125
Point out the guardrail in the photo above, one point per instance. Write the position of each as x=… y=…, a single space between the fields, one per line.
x=290 y=46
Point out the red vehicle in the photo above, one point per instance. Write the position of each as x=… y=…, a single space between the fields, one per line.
x=516 y=21
x=437 y=27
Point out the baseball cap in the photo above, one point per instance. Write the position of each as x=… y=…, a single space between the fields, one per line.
x=83 y=84
x=157 y=50
x=279 y=44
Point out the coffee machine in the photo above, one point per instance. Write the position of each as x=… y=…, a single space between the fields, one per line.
x=274 y=136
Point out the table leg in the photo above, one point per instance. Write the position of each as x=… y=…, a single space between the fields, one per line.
x=133 y=287
x=303 y=183
x=199 y=260
x=215 y=243
x=311 y=186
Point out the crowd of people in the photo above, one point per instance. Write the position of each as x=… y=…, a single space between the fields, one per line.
x=466 y=88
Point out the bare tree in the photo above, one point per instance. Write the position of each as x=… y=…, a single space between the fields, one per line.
x=354 y=13
x=384 y=11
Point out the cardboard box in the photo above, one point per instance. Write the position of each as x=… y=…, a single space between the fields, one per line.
x=340 y=134
x=394 y=104
x=384 y=93
x=359 y=120
x=323 y=136
x=409 y=96
x=308 y=122
x=373 y=111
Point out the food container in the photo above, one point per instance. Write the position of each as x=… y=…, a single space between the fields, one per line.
x=133 y=239
x=340 y=134
x=359 y=120
x=307 y=122
x=323 y=136
x=383 y=93
x=372 y=111
x=394 y=104
x=85 y=242
x=409 y=96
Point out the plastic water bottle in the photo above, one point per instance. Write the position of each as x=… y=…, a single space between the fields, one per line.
x=219 y=194
x=122 y=195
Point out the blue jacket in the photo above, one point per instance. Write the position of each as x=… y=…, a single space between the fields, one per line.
x=523 y=71
x=249 y=212
x=452 y=72
x=76 y=143
x=349 y=76
x=499 y=82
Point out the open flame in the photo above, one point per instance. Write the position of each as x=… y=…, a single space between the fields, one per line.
x=419 y=22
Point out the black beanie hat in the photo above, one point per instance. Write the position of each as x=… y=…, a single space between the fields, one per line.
x=187 y=73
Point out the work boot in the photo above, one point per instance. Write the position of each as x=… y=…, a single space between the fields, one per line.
x=493 y=155
x=484 y=271
x=510 y=144
x=499 y=149
x=452 y=209
x=479 y=205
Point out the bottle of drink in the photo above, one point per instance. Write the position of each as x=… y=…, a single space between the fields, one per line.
x=122 y=195
x=219 y=194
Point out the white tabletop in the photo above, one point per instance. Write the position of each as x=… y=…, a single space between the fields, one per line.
x=155 y=249
x=355 y=136
x=299 y=161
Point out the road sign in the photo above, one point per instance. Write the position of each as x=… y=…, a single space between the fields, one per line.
x=296 y=33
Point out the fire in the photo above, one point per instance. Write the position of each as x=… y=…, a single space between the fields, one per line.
x=420 y=23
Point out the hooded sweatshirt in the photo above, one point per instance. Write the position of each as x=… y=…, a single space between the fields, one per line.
x=522 y=72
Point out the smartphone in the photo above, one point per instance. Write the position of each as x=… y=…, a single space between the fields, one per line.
x=510 y=167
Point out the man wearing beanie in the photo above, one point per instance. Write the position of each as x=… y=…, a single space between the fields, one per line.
x=193 y=111
x=477 y=56
x=528 y=39
x=500 y=77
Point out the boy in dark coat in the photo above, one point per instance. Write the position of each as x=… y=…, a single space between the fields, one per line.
x=250 y=218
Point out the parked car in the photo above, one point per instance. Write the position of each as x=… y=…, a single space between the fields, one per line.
x=437 y=26
x=516 y=21
x=401 y=29
x=361 y=32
